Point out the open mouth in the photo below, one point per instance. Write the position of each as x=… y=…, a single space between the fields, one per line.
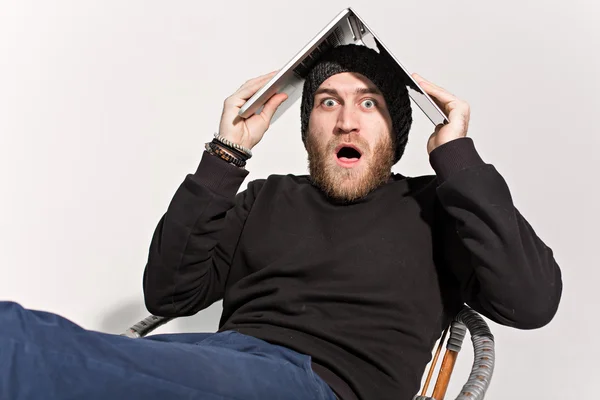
x=347 y=154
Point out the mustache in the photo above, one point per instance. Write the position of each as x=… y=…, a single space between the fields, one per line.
x=357 y=141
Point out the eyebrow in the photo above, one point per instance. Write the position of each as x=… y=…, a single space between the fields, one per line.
x=362 y=90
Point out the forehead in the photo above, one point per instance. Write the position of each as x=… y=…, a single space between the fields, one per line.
x=348 y=82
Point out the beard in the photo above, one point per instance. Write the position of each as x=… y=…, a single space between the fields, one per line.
x=346 y=185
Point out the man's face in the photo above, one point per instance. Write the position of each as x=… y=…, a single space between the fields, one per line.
x=350 y=148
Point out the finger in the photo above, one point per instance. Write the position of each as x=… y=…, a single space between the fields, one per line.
x=416 y=76
x=424 y=82
x=248 y=89
x=260 y=77
x=272 y=105
x=420 y=79
x=440 y=94
x=432 y=90
x=440 y=104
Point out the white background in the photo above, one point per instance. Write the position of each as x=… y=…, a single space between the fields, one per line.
x=106 y=105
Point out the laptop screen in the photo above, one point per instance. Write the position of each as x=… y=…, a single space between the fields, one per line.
x=346 y=28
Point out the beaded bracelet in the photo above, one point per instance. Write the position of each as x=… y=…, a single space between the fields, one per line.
x=228 y=143
x=219 y=152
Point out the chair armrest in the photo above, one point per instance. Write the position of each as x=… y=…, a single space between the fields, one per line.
x=484 y=355
x=146 y=326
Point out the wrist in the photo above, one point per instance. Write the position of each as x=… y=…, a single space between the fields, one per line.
x=234 y=145
x=230 y=156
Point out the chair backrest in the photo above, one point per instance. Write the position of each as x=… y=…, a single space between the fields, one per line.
x=466 y=320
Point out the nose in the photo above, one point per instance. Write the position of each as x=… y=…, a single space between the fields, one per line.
x=348 y=120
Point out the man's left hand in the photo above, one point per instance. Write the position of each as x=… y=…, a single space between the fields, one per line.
x=457 y=110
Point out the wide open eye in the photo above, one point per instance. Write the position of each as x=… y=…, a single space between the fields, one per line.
x=369 y=103
x=329 y=102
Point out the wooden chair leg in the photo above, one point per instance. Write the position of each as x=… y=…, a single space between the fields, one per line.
x=441 y=385
x=434 y=362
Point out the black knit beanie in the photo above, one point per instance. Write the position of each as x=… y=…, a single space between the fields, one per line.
x=365 y=61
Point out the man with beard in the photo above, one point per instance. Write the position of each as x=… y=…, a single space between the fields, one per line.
x=336 y=284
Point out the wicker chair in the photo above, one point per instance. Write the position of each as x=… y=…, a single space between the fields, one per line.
x=466 y=320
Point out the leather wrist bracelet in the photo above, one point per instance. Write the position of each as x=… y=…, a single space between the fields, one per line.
x=215 y=150
x=233 y=151
x=247 y=152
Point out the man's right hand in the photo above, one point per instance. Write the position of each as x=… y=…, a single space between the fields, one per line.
x=248 y=132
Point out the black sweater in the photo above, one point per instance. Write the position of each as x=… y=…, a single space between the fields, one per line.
x=365 y=289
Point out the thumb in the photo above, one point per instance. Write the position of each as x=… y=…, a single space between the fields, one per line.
x=272 y=105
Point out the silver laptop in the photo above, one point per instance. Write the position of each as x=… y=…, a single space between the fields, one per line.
x=346 y=28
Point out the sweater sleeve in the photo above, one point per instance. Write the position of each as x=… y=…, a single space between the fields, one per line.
x=504 y=269
x=194 y=242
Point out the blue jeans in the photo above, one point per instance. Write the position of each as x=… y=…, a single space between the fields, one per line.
x=45 y=356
